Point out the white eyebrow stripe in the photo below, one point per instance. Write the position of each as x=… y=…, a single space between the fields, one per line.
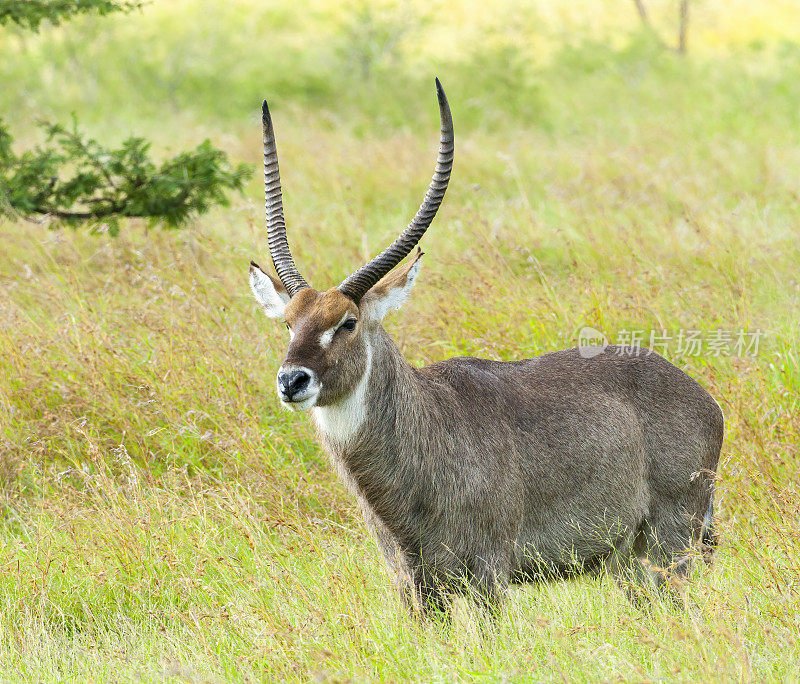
x=326 y=337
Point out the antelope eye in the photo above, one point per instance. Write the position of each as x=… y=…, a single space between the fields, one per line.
x=349 y=324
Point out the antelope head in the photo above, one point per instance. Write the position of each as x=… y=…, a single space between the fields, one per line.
x=329 y=351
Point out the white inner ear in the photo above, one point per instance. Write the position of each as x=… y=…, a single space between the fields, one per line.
x=273 y=301
x=394 y=298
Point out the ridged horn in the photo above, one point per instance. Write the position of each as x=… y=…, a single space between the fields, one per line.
x=273 y=202
x=356 y=285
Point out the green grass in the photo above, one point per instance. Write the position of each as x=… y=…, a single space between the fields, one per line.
x=163 y=519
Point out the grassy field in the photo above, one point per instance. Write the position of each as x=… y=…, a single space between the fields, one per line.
x=163 y=520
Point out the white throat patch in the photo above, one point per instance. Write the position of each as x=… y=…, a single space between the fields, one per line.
x=340 y=422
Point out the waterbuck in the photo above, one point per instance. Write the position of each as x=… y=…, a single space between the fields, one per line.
x=473 y=474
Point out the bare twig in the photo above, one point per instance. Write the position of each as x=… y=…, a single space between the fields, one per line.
x=642 y=10
x=683 y=25
x=683 y=28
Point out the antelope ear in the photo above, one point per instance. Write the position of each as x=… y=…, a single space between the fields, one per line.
x=391 y=291
x=268 y=291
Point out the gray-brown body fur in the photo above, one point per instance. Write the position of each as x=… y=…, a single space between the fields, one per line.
x=496 y=472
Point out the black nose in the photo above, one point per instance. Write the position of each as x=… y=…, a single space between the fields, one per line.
x=292 y=383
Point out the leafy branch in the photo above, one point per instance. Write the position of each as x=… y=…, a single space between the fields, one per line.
x=74 y=178
x=29 y=14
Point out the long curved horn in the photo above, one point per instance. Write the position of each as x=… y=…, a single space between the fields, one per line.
x=276 y=226
x=356 y=285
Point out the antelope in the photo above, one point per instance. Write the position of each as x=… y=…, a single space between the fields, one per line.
x=475 y=474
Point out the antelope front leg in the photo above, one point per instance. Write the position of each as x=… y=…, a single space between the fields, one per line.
x=488 y=580
x=430 y=597
x=393 y=556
